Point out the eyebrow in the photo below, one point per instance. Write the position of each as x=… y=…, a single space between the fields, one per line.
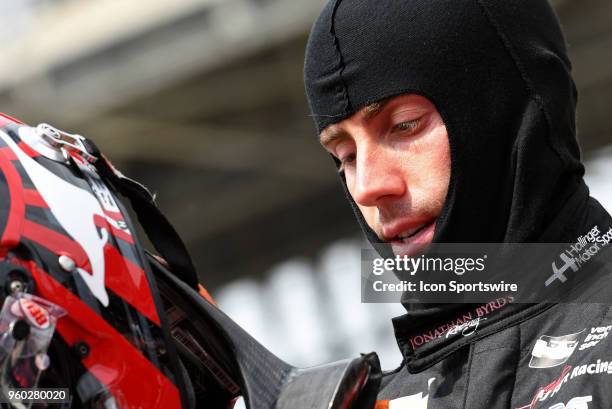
x=371 y=110
x=368 y=112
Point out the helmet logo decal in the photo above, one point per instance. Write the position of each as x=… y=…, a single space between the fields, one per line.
x=34 y=313
x=75 y=210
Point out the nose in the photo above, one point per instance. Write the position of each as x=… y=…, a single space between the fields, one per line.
x=377 y=178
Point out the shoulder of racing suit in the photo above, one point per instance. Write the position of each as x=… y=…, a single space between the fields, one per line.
x=560 y=358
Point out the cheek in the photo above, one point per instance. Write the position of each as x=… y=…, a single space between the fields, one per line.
x=441 y=159
x=429 y=167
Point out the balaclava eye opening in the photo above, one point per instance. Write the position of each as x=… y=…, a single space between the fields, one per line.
x=498 y=73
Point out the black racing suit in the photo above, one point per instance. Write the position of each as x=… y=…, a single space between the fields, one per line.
x=505 y=355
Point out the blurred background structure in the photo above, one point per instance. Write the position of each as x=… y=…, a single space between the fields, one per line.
x=202 y=100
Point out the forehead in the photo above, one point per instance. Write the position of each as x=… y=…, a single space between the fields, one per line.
x=369 y=112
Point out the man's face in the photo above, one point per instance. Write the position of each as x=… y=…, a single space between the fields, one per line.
x=396 y=159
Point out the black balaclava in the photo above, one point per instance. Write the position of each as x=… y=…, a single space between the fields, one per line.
x=498 y=73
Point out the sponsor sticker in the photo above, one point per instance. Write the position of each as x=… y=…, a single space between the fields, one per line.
x=586 y=247
x=593 y=338
x=549 y=390
x=475 y=316
x=34 y=313
x=568 y=374
x=550 y=351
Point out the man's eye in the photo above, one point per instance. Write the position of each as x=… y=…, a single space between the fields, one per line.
x=346 y=161
x=410 y=126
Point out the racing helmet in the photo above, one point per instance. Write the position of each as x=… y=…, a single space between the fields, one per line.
x=81 y=317
x=88 y=319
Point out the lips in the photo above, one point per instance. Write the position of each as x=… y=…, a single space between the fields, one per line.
x=404 y=229
x=410 y=233
x=409 y=238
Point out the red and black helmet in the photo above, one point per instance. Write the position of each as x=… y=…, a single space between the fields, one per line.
x=90 y=320
x=68 y=252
